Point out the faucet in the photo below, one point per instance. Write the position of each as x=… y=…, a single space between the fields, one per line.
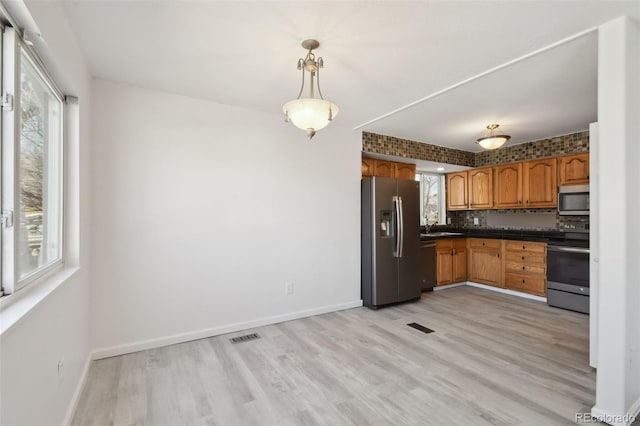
x=427 y=227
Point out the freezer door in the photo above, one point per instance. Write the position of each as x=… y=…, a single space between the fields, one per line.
x=409 y=283
x=385 y=266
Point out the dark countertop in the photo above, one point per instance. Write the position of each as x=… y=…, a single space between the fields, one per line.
x=551 y=237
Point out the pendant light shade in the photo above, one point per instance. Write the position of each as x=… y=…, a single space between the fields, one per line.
x=493 y=141
x=310 y=114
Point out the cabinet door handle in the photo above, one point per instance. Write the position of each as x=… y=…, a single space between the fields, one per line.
x=522 y=257
x=519 y=201
x=522 y=281
x=523 y=268
x=523 y=247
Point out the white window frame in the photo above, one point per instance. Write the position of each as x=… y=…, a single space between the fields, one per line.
x=12 y=48
x=442 y=198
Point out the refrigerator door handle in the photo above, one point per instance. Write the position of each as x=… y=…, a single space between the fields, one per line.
x=398 y=218
x=401 y=216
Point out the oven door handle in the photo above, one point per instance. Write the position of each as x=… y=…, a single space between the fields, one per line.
x=568 y=249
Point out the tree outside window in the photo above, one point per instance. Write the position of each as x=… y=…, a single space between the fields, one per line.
x=430 y=198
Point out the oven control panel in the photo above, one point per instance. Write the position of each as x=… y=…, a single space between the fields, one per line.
x=574 y=226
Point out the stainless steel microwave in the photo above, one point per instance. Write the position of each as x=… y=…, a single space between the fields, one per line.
x=573 y=200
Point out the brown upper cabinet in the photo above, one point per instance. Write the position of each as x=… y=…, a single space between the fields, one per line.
x=471 y=189
x=507 y=186
x=457 y=191
x=367 y=167
x=573 y=169
x=480 y=188
x=540 y=183
x=405 y=171
x=386 y=168
x=528 y=184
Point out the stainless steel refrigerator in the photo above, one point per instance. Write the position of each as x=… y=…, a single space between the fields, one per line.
x=390 y=241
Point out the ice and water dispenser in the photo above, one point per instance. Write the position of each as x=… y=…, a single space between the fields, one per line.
x=386 y=223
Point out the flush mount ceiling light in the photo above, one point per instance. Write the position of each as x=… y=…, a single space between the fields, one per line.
x=493 y=141
x=310 y=114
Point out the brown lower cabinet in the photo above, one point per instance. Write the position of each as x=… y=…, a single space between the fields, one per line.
x=526 y=283
x=486 y=261
x=526 y=267
x=512 y=264
x=451 y=260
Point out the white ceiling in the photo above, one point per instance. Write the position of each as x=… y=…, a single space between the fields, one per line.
x=379 y=56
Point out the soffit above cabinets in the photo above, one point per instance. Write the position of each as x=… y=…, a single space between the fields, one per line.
x=421 y=165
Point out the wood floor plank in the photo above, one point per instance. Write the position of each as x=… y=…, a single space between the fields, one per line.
x=494 y=359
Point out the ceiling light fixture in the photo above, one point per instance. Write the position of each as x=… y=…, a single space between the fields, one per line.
x=310 y=114
x=493 y=141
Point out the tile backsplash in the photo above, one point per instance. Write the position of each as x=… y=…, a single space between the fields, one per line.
x=558 y=145
x=573 y=143
x=535 y=219
x=390 y=145
x=520 y=219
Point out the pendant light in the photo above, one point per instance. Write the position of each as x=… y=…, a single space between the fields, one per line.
x=493 y=141
x=310 y=114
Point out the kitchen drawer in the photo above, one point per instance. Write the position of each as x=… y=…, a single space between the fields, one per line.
x=526 y=258
x=525 y=247
x=521 y=268
x=485 y=243
x=527 y=283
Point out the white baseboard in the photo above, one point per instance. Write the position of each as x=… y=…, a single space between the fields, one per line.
x=617 y=419
x=216 y=331
x=71 y=410
x=507 y=291
x=444 y=287
x=496 y=289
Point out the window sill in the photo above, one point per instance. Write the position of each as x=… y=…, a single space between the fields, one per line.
x=14 y=307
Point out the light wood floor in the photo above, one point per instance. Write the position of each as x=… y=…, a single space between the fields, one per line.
x=494 y=359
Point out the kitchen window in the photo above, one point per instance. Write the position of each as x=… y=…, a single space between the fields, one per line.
x=432 y=198
x=32 y=172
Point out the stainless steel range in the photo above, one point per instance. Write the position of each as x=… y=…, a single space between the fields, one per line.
x=568 y=270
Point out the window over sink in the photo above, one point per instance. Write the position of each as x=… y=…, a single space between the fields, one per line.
x=432 y=198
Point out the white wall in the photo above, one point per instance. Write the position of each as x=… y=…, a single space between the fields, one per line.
x=57 y=328
x=202 y=213
x=594 y=243
x=618 y=380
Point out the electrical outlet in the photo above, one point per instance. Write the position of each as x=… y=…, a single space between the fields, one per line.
x=476 y=221
x=289 y=288
x=448 y=221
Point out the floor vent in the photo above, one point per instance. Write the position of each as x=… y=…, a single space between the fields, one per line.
x=245 y=338
x=420 y=327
